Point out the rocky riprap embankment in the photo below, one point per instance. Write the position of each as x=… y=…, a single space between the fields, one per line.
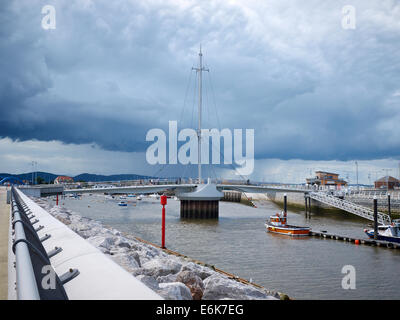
x=172 y=277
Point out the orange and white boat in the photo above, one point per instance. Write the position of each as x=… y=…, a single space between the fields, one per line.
x=278 y=224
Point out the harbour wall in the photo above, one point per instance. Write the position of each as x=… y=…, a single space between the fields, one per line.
x=295 y=200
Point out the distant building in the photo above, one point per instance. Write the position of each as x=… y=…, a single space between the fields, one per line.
x=63 y=179
x=323 y=178
x=387 y=182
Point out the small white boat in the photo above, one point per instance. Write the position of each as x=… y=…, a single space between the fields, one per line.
x=387 y=232
x=139 y=197
x=122 y=204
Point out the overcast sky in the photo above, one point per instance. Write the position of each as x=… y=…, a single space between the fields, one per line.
x=81 y=97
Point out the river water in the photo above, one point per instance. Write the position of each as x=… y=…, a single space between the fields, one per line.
x=303 y=268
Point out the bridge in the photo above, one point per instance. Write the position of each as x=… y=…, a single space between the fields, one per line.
x=185 y=190
x=348 y=206
x=197 y=192
x=11 y=180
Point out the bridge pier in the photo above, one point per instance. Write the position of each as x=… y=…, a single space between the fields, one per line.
x=233 y=196
x=203 y=203
x=197 y=209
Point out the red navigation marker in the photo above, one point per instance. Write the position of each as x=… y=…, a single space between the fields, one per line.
x=163 y=203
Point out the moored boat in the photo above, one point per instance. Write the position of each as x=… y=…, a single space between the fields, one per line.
x=278 y=224
x=386 y=232
x=122 y=204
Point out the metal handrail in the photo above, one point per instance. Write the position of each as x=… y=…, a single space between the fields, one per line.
x=350 y=207
x=31 y=256
x=26 y=281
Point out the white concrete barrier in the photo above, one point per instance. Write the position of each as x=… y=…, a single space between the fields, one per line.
x=99 y=277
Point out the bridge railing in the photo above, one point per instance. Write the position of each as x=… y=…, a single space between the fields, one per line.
x=350 y=207
x=32 y=262
x=27 y=288
x=379 y=194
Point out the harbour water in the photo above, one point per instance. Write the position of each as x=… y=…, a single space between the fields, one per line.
x=303 y=268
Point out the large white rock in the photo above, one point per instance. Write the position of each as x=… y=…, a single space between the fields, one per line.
x=127 y=261
x=168 y=278
x=115 y=232
x=174 y=291
x=219 y=287
x=122 y=242
x=161 y=267
x=193 y=282
x=202 y=272
x=90 y=232
x=149 y=281
x=103 y=242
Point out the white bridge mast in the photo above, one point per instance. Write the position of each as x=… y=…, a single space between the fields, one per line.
x=199 y=71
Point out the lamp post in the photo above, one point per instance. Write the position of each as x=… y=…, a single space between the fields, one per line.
x=357 y=175
x=33 y=171
x=369 y=178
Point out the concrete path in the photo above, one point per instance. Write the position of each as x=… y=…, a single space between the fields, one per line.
x=4 y=224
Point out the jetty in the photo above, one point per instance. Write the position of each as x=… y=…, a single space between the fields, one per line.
x=357 y=241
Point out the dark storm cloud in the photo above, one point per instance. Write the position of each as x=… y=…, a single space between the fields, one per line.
x=112 y=70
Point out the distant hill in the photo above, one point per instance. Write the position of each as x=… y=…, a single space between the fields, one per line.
x=49 y=177
x=114 y=177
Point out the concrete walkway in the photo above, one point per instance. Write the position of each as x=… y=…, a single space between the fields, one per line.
x=4 y=224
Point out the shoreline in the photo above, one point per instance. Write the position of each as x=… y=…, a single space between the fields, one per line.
x=172 y=275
